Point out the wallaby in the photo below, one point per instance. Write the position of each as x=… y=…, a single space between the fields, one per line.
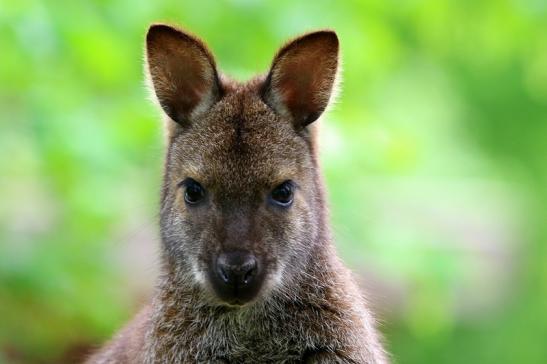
x=249 y=273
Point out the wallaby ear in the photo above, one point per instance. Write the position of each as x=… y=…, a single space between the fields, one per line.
x=182 y=71
x=302 y=77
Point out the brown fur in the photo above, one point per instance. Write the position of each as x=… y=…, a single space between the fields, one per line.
x=241 y=141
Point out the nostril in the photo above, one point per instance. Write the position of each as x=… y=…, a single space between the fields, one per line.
x=248 y=269
x=249 y=275
x=223 y=275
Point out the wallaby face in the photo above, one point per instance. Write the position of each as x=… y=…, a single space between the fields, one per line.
x=242 y=200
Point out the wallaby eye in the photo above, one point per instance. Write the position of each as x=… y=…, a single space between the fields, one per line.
x=282 y=195
x=193 y=191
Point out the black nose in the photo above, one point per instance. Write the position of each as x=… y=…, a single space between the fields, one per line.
x=237 y=269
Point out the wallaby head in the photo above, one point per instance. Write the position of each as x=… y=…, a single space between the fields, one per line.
x=242 y=204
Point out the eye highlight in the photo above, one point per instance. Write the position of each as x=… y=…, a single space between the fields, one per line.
x=283 y=194
x=194 y=193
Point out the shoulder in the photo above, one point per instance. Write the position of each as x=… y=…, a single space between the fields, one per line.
x=128 y=344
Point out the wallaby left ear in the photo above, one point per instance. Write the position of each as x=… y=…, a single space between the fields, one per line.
x=302 y=77
x=182 y=71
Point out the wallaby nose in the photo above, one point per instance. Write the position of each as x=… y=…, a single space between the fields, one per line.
x=237 y=268
x=236 y=276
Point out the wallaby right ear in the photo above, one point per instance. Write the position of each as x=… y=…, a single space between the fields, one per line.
x=302 y=77
x=182 y=72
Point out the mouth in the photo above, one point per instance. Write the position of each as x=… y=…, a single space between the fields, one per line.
x=236 y=297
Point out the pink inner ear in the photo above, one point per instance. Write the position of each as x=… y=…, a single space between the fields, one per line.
x=189 y=79
x=301 y=84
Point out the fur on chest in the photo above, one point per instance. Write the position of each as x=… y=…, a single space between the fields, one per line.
x=283 y=336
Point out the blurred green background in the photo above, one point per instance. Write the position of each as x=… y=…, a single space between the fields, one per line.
x=435 y=157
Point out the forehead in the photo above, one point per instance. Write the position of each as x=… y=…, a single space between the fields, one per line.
x=240 y=141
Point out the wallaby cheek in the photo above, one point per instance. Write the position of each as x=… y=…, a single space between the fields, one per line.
x=303 y=232
x=286 y=236
x=181 y=234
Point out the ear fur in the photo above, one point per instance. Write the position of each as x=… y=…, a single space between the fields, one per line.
x=302 y=77
x=182 y=72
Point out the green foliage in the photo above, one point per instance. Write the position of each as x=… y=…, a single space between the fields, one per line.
x=435 y=156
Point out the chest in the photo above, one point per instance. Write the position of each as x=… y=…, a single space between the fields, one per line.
x=265 y=342
x=273 y=339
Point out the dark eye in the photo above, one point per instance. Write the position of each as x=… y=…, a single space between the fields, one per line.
x=193 y=191
x=282 y=195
